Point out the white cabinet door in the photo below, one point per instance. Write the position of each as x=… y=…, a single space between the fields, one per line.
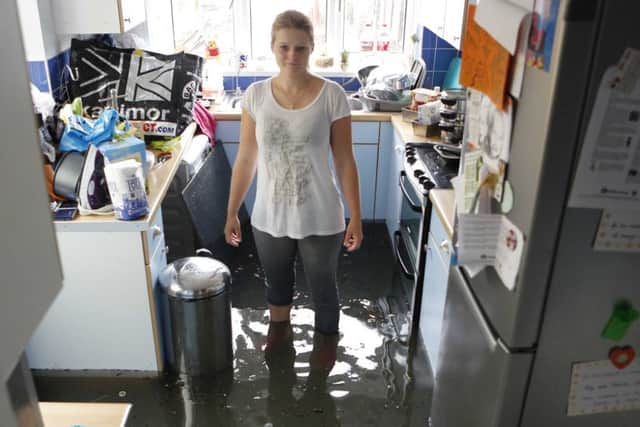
x=453 y=21
x=97 y=16
x=132 y=13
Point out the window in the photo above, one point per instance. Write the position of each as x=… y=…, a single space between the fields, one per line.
x=244 y=26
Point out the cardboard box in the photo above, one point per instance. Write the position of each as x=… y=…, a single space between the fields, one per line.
x=130 y=148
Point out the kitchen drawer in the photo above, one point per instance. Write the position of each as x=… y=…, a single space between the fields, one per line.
x=153 y=237
x=365 y=132
x=441 y=239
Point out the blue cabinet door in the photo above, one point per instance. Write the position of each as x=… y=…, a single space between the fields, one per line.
x=385 y=148
x=366 y=158
x=434 y=291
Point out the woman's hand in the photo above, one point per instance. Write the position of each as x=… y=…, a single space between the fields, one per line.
x=232 y=231
x=353 y=235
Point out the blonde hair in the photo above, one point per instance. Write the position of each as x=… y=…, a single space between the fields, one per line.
x=292 y=19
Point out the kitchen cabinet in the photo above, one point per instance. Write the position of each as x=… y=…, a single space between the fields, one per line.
x=97 y=16
x=365 y=136
x=444 y=18
x=385 y=146
x=105 y=315
x=436 y=274
x=395 y=160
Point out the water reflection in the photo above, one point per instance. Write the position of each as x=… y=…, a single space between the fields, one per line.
x=287 y=374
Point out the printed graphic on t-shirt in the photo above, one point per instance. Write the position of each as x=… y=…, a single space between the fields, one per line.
x=288 y=166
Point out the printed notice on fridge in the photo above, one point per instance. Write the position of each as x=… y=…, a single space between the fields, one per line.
x=619 y=231
x=608 y=174
x=491 y=240
x=601 y=387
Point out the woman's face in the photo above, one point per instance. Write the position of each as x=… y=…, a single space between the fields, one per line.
x=292 y=49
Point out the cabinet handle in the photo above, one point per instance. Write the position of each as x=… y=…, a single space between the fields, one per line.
x=128 y=20
x=399 y=148
x=156 y=231
x=444 y=245
x=456 y=38
x=440 y=28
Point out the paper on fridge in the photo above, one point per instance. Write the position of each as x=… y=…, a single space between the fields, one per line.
x=608 y=173
x=599 y=386
x=490 y=240
x=488 y=133
x=502 y=19
x=485 y=63
x=619 y=231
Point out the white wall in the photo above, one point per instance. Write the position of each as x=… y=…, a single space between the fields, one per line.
x=31 y=30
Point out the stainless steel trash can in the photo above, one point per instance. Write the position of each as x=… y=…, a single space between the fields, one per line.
x=197 y=316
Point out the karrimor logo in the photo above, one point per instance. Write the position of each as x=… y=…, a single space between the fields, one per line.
x=149 y=79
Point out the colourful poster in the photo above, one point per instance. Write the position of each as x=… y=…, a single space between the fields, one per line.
x=543 y=27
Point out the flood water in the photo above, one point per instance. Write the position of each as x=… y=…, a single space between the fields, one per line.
x=380 y=377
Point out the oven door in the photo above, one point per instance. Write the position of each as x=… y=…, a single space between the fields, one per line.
x=411 y=215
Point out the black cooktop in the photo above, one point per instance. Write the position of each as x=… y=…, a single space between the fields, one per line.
x=423 y=156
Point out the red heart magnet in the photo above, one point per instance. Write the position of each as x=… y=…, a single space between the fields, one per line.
x=621 y=357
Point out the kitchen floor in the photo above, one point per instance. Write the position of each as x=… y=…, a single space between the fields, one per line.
x=380 y=378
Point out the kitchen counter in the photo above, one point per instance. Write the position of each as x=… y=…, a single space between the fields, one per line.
x=158 y=182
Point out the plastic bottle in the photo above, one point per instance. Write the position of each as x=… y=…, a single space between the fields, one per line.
x=366 y=38
x=212 y=79
x=384 y=39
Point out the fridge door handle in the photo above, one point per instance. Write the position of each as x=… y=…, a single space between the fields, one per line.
x=491 y=339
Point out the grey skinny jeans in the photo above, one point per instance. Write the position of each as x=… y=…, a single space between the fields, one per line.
x=319 y=256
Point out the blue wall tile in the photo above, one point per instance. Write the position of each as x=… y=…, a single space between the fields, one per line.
x=57 y=75
x=443 y=59
x=428 y=39
x=429 y=57
x=437 y=54
x=38 y=74
x=438 y=78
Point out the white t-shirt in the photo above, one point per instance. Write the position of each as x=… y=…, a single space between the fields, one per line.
x=296 y=192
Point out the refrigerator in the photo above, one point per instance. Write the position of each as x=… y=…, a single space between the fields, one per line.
x=507 y=356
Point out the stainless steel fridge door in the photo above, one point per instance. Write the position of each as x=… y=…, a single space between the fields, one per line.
x=545 y=133
x=479 y=382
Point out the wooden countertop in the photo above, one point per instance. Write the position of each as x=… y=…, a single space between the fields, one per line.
x=158 y=182
x=444 y=204
x=84 y=414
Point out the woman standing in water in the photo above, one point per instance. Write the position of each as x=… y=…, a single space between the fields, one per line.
x=290 y=124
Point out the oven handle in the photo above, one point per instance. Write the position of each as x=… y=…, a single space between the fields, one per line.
x=397 y=236
x=414 y=207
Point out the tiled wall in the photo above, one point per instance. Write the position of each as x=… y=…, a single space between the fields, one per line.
x=244 y=81
x=437 y=55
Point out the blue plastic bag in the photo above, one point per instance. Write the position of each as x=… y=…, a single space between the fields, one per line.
x=80 y=132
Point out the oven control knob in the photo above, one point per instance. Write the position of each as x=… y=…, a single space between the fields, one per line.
x=423 y=179
x=411 y=150
x=428 y=184
x=418 y=173
x=411 y=159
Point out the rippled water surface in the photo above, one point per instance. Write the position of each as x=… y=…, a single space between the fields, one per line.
x=380 y=376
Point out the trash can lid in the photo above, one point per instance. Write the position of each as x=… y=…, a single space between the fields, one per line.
x=195 y=278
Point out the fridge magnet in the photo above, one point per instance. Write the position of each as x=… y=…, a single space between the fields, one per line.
x=543 y=25
x=621 y=357
x=618 y=231
x=623 y=315
x=599 y=386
